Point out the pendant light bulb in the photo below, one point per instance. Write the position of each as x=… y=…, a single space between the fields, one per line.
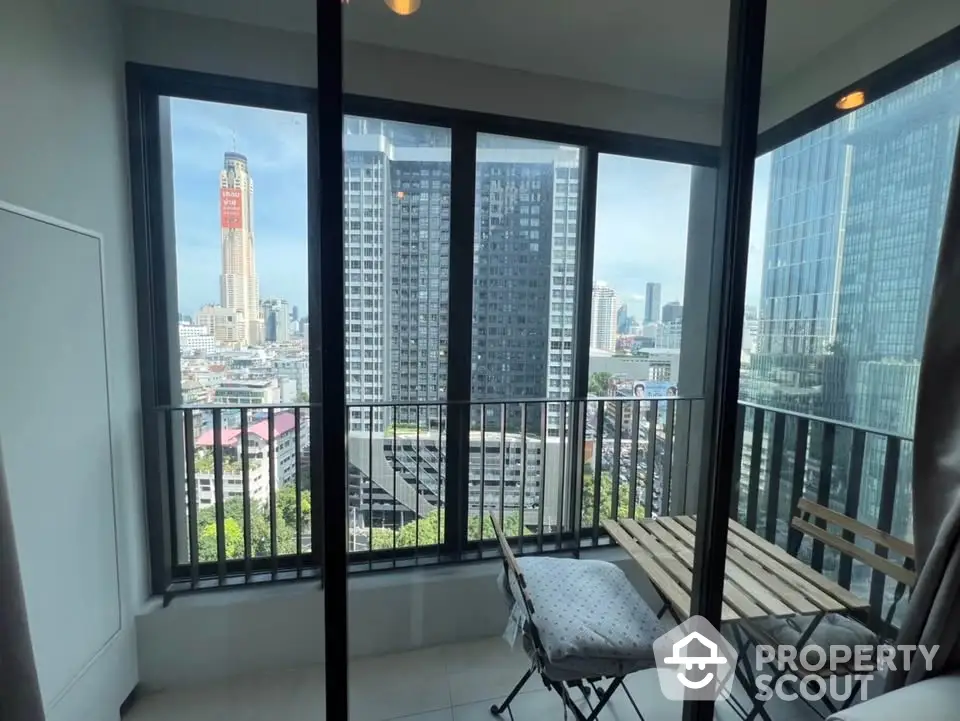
x=403 y=7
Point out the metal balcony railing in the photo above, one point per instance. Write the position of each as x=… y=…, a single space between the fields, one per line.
x=240 y=484
x=861 y=472
x=240 y=492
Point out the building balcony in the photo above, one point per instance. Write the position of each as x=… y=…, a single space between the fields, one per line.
x=425 y=610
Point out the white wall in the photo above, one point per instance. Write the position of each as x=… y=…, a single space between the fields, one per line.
x=188 y=42
x=211 y=636
x=63 y=153
x=892 y=34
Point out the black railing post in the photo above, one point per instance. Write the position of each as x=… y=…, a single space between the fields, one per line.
x=272 y=490
x=218 y=496
x=189 y=451
x=634 y=457
x=666 y=472
x=888 y=497
x=773 y=483
x=794 y=537
x=298 y=480
x=564 y=473
x=728 y=286
x=541 y=476
x=738 y=462
x=523 y=472
x=851 y=506
x=597 y=473
x=823 y=487
x=245 y=471
x=756 y=460
x=615 y=471
x=651 y=459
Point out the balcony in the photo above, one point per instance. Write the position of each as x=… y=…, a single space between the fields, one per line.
x=544 y=468
x=551 y=486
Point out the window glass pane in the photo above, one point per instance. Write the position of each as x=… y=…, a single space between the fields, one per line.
x=526 y=232
x=239 y=211
x=239 y=178
x=842 y=262
x=525 y=255
x=636 y=321
x=396 y=201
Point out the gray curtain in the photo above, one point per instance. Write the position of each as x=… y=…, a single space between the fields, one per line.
x=19 y=689
x=933 y=615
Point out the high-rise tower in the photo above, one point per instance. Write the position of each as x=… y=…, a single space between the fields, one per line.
x=239 y=286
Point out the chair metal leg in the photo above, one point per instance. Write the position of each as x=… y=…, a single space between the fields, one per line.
x=602 y=698
x=497 y=710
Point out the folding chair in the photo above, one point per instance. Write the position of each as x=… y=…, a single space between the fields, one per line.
x=582 y=624
x=831 y=629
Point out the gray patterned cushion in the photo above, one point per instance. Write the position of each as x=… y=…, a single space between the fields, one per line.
x=833 y=630
x=591 y=620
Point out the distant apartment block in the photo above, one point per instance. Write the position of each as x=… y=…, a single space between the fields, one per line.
x=276 y=320
x=258 y=458
x=196 y=339
x=222 y=323
x=247 y=392
x=672 y=311
x=603 y=317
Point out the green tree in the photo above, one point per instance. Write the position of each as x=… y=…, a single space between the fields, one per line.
x=599 y=384
x=303 y=397
x=287 y=504
x=233 y=527
x=429 y=531
x=606 y=498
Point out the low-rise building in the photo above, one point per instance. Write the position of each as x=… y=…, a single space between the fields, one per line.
x=258 y=458
x=256 y=392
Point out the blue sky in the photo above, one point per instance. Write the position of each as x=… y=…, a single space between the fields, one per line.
x=642 y=208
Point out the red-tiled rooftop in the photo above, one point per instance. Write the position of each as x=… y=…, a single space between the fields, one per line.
x=282 y=423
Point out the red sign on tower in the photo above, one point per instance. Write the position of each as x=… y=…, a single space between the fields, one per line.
x=231 y=208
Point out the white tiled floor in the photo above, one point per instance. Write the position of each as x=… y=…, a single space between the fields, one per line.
x=445 y=683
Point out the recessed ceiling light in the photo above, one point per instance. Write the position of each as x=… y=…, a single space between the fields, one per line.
x=851 y=101
x=403 y=7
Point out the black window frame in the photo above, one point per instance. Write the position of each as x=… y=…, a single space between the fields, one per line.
x=155 y=278
x=145 y=84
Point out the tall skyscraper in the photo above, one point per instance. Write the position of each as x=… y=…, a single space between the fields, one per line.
x=798 y=303
x=525 y=270
x=854 y=221
x=239 y=286
x=603 y=317
x=853 y=229
x=396 y=272
x=396 y=268
x=624 y=321
x=651 y=305
x=672 y=311
x=294 y=314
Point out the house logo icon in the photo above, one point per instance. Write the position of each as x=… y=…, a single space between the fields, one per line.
x=695 y=662
x=688 y=662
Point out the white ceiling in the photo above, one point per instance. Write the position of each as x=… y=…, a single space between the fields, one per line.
x=670 y=47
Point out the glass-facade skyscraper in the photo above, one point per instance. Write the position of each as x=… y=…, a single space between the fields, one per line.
x=855 y=213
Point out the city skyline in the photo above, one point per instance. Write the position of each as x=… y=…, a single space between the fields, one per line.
x=642 y=209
